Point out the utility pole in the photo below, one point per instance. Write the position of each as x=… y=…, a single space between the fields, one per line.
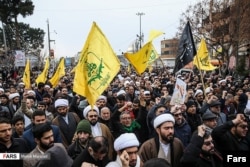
x=49 y=40
x=50 y=51
x=140 y=35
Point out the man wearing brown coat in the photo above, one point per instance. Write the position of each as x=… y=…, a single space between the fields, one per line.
x=165 y=145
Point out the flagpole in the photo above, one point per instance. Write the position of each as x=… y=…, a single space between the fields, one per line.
x=201 y=75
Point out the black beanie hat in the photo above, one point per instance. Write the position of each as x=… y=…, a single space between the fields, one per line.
x=190 y=103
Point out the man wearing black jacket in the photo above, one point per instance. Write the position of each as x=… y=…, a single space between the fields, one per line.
x=8 y=144
x=200 y=152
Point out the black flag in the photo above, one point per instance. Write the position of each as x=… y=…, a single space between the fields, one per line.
x=186 y=49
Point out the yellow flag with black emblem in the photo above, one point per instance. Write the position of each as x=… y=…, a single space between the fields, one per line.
x=26 y=75
x=97 y=66
x=202 y=60
x=60 y=72
x=43 y=76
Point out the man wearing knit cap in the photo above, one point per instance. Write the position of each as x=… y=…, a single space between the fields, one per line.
x=209 y=120
x=192 y=116
x=84 y=133
x=126 y=146
x=165 y=145
x=98 y=129
x=67 y=121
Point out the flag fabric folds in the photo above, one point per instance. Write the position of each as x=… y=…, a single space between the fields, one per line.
x=141 y=58
x=26 y=75
x=60 y=72
x=186 y=49
x=154 y=34
x=43 y=76
x=97 y=66
x=202 y=60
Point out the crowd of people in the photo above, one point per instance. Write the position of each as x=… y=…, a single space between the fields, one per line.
x=132 y=124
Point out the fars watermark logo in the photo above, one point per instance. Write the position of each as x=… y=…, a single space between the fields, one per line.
x=9 y=156
x=236 y=159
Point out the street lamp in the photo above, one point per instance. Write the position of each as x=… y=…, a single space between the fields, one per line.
x=140 y=36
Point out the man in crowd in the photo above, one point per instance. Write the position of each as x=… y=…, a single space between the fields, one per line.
x=10 y=144
x=232 y=135
x=84 y=134
x=96 y=153
x=98 y=129
x=39 y=117
x=18 y=126
x=165 y=145
x=200 y=152
x=181 y=128
x=44 y=139
x=209 y=120
x=126 y=146
x=66 y=121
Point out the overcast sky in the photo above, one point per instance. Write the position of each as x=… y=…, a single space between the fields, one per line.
x=70 y=21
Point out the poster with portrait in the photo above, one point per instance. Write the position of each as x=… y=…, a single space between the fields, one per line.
x=180 y=92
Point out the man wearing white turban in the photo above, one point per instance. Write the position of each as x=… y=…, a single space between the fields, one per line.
x=66 y=121
x=126 y=146
x=98 y=129
x=165 y=145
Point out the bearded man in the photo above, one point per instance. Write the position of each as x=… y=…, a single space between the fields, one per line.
x=44 y=139
x=165 y=145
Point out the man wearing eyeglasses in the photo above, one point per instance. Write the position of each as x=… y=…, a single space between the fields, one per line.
x=201 y=152
x=97 y=128
x=232 y=136
x=182 y=130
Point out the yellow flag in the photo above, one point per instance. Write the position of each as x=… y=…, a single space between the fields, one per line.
x=60 y=72
x=202 y=60
x=97 y=66
x=26 y=75
x=43 y=76
x=153 y=56
x=140 y=59
x=154 y=34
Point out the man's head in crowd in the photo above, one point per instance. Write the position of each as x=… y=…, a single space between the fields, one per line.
x=18 y=124
x=129 y=144
x=62 y=106
x=83 y=131
x=120 y=101
x=177 y=113
x=5 y=131
x=38 y=117
x=105 y=113
x=47 y=99
x=208 y=145
x=98 y=147
x=125 y=119
x=43 y=135
x=191 y=107
x=215 y=107
x=101 y=101
x=91 y=114
x=209 y=119
x=164 y=126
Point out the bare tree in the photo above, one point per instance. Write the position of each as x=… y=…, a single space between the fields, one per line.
x=222 y=23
